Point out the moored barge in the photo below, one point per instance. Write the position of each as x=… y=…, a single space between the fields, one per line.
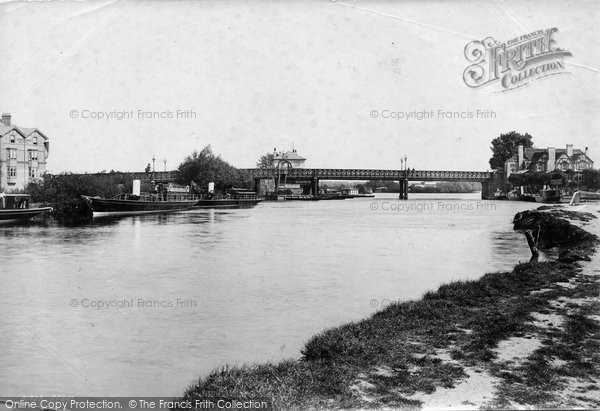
x=164 y=200
x=126 y=204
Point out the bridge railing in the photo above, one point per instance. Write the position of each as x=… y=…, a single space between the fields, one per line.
x=372 y=174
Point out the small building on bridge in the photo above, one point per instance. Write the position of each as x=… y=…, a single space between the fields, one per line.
x=292 y=157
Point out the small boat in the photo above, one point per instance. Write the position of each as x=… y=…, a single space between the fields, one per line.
x=548 y=195
x=236 y=198
x=15 y=207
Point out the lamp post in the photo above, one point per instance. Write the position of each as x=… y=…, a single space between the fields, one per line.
x=153 y=160
x=406 y=179
x=25 y=175
x=165 y=162
x=400 y=182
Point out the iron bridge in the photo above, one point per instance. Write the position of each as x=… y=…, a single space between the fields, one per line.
x=369 y=174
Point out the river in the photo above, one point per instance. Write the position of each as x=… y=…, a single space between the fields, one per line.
x=145 y=305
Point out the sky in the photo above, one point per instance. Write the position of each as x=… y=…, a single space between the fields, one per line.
x=319 y=75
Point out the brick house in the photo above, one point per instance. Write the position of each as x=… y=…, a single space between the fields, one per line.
x=23 y=154
x=548 y=160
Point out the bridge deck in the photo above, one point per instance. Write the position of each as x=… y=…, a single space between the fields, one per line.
x=342 y=174
x=373 y=174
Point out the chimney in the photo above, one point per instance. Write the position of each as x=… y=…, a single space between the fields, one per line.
x=520 y=148
x=6 y=119
x=551 y=159
x=586 y=149
x=569 y=150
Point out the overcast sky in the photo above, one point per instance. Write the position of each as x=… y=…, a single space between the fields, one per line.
x=261 y=75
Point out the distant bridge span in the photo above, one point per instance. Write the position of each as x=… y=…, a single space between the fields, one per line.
x=370 y=174
x=310 y=177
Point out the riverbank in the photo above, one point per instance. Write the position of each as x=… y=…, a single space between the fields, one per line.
x=524 y=338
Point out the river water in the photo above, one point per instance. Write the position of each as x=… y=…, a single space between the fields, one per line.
x=146 y=305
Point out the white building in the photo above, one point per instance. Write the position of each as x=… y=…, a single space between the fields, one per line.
x=291 y=157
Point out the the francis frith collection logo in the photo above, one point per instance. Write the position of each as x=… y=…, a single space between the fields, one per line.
x=514 y=63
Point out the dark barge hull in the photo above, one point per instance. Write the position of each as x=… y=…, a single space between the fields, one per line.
x=20 y=214
x=548 y=200
x=102 y=207
x=227 y=203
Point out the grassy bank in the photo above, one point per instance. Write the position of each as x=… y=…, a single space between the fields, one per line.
x=399 y=355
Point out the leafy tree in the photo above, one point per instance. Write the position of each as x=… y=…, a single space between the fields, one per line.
x=505 y=146
x=203 y=167
x=63 y=191
x=265 y=161
x=591 y=179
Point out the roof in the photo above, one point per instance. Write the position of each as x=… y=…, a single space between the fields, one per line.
x=534 y=155
x=523 y=171
x=288 y=155
x=24 y=131
x=539 y=156
x=580 y=156
x=4 y=129
x=528 y=153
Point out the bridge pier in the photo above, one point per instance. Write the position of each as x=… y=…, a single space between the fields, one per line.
x=257 y=185
x=314 y=187
x=403 y=192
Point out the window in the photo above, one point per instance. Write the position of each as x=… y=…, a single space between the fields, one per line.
x=33 y=154
x=11 y=153
x=35 y=140
x=12 y=138
x=12 y=172
x=32 y=172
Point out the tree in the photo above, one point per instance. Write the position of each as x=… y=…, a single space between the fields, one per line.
x=505 y=146
x=590 y=179
x=265 y=161
x=203 y=167
x=63 y=191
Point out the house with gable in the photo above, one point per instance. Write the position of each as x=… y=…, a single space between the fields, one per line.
x=23 y=154
x=548 y=160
